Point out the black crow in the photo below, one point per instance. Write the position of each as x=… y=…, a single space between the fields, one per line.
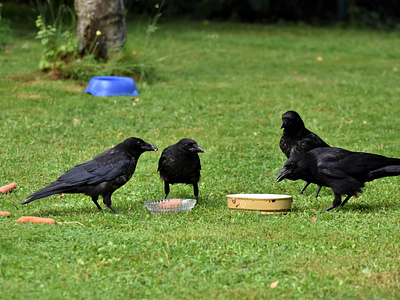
x=342 y=170
x=180 y=163
x=101 y=175
x=297 y=138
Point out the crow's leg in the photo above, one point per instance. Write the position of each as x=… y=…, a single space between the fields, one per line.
x=94 y=199
x=336 y=202
x=304 y=188
x=319 y=189
x=196 y=192
x=107 y=202
x=166 y=189
x=345 y=200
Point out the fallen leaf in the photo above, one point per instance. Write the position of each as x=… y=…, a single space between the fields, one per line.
x=313 y=219
x=319 y=58
x=274 y=284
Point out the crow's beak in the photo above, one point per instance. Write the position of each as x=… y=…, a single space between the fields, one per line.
x=151 y=148
x=199 y=149
x=281 y=175
x=196 y=148
x=282 y=125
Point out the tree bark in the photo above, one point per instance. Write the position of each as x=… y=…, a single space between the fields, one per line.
x=100 y=27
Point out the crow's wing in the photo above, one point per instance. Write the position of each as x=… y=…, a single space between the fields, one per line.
x=95 y=171
x=167 y=158
x=332 y=173
x=368 y=166
x=284 y=144
x=357 y=163
x=161 y=162
x=339 y=163
x=336 y=162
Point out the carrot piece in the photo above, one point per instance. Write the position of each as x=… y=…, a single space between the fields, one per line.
x=8 y=187
x=5 y=213
x=172 y=203
x=35 y=220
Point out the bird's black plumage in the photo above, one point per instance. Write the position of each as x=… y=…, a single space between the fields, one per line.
x=101 y=175
x=180 y=163
x=297 y=138
x=344 y=171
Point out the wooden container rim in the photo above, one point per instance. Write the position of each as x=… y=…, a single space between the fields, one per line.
x=260 y=196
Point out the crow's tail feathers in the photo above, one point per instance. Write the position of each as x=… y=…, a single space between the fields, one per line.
x=47 y=191
x=386 y=171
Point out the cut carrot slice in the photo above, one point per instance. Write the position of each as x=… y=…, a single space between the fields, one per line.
x=35 y=220
x=5 y=213
x=8 y=187
x=172 y=203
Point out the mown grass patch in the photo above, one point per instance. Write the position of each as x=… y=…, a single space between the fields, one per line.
x=226 y=86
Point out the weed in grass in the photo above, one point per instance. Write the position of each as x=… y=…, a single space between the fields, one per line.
x=58 y=43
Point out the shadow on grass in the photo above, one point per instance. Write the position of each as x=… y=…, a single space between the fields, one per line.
x=65 y=212
x=363 y=207
x=370 y=208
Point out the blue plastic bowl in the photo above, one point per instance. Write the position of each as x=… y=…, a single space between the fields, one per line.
x=112 y=86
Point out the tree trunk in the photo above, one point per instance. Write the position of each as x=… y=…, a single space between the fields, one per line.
x=100 y=27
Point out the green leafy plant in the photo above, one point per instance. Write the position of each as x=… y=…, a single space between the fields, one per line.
x=59 y=44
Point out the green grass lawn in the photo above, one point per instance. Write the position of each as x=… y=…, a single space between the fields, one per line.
x=226 y=86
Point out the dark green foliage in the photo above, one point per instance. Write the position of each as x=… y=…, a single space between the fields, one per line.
x=5 y=29
x=383 y=14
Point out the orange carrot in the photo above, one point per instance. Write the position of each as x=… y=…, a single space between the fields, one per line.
x=5 y=213
x=35 y=220
x=8 y=187
x=172 y=203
